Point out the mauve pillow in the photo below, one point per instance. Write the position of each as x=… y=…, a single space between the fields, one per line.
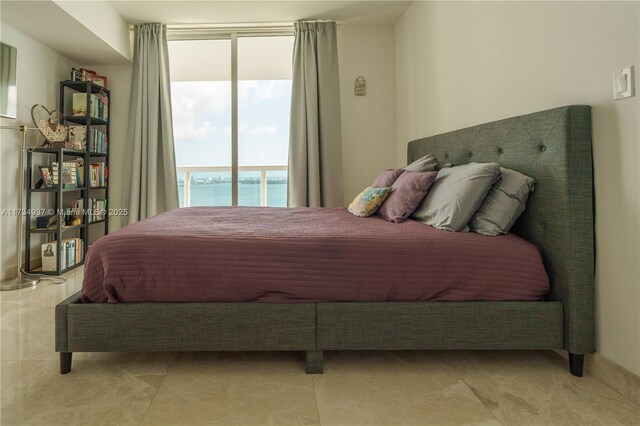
x=406 y=194
x=428 y=163
x=504 y=203
x=456 y=195
x=387 y=177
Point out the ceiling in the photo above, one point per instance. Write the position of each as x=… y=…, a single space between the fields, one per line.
x=218 y=12
x=97 y=32
x=53 y=26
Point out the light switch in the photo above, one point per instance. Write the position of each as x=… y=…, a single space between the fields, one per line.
x=623 y=83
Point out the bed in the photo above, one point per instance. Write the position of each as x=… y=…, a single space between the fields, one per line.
x=552 y=146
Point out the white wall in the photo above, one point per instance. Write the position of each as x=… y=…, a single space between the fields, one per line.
x=119 y=84
x=460 y=64
x=113 y=29
x=368 y=122
x=39 y=72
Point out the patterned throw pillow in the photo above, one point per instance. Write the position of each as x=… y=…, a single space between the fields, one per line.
x=368 y=201
x=408 y=192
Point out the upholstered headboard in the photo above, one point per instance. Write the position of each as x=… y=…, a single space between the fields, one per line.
x=554 y=147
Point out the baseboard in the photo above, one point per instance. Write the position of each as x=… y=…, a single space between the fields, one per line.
x=12 y=271
x=616 y=377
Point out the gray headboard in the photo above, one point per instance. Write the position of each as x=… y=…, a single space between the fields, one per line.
x=554 y=147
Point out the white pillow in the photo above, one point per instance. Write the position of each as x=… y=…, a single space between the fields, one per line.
x=456 y=194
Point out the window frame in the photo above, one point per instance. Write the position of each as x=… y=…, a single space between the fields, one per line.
x=216 y=32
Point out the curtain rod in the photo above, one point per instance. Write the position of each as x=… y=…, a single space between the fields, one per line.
x=210 y=31
x=228 y=27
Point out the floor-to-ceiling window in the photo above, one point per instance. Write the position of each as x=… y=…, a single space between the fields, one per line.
x=231 y=100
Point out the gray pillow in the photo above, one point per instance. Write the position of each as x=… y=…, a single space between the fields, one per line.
x=428 y=163
x=456 y=195
x=504 y=204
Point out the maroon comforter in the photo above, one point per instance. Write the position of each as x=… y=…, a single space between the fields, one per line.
x=306 y=254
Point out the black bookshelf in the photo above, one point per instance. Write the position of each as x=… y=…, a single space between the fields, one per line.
x=44 y=157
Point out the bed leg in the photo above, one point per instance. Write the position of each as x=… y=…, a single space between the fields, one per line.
x=576 y=364
x=315 y=364
x=65 y=362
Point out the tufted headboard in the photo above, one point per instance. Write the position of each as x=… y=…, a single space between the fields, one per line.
x=554 y=147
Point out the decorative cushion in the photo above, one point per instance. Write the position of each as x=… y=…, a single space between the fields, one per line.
x=504 y=203
x=406 y=194
x=387 y=177
x=428 y=163
x=456 y=194
x=368 y=201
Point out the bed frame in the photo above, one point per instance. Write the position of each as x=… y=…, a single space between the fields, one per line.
x=552 y=146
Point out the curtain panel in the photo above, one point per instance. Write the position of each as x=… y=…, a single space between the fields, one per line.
x=315 y=141
x=150 y=185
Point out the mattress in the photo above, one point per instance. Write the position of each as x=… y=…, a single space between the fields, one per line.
x=279 y=255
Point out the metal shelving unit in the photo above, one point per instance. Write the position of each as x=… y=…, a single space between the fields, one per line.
x=86 y=192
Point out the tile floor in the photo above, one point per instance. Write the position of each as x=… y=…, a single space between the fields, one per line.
x=357 y=388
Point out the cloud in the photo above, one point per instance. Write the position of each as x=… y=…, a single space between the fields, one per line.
x=264 y=130
x=254 y=91
x=191 y=100
x=188 y=131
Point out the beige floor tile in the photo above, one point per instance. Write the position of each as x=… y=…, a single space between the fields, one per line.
x=94 y=393
x=27 y=334
x=234 y=388
x=525 y=387
x=11 y=372
x=387 y=388
x=45 y=294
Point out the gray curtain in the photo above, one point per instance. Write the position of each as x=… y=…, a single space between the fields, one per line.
x=315 y=141
x=150 y=185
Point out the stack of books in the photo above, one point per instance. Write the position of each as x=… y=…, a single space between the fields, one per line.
x=96 y=210
x=98 y=174
x=98 y=106
x=71 y=253
x=99 y=142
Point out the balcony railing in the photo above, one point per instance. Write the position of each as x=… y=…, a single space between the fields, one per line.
x=187 y=170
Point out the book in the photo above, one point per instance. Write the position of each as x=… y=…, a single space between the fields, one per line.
x=98 y=174
x=71 y=252
x=78 y=137
x=98 y=142
x=49 y=256
x=80 y=172
x=79 y=104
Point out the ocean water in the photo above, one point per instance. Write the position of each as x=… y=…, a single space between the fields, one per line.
x=219 y=194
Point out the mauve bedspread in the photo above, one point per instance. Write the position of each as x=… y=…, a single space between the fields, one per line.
x=279 y=255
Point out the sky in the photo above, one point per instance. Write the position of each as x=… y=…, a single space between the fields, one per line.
x=202 y=122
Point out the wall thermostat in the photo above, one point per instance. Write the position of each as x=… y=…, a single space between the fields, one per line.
x=361 y=86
